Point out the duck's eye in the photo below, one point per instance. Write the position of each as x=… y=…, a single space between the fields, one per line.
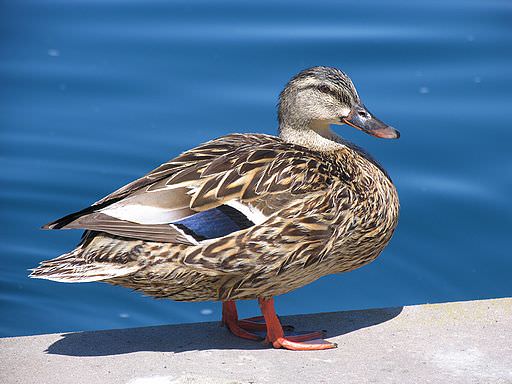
x=324 y=88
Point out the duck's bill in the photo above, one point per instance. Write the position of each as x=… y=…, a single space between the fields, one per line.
x=360 y=118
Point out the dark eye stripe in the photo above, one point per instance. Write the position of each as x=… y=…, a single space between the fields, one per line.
x=343 y=97
x=325 y=89
x=329 y=91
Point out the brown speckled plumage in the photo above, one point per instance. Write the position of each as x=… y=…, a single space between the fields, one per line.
x=328 y=209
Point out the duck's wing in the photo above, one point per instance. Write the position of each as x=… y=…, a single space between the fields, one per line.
x=217 y=188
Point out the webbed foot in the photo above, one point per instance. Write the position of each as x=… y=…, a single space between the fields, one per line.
x=268 y=327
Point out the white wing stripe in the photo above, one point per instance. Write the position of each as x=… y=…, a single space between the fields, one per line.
x=253 y=214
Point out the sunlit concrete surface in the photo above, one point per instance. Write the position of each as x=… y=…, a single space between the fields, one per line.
x=465 y=342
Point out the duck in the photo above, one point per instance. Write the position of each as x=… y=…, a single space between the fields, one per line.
x=247 y=216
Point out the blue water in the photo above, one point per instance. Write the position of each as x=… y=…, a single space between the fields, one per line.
x=93 y=94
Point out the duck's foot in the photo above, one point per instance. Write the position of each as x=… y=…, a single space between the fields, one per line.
x=309 y=341
x=268 y=327
x=310 y=345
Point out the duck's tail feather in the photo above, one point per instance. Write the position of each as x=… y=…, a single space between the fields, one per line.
x=68 y=269
x=89 y=262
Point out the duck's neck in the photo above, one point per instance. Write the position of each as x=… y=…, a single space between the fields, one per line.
x=316 y=135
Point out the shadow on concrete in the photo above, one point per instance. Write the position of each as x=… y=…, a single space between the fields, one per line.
x=204 y=336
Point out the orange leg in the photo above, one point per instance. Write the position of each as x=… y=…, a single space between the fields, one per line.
x=276 y=336
x=237 y=327
x=256 y=323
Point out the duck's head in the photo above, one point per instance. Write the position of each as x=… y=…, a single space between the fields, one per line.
x=319 y=97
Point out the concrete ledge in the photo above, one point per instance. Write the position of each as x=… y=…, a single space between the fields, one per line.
x=466 y=342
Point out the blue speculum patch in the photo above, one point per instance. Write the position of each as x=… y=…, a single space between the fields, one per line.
x=213 y=223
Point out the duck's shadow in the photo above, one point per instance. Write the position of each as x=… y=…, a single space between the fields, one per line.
x=203 y=336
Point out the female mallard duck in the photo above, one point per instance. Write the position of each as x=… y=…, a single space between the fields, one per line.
x=246 y=216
